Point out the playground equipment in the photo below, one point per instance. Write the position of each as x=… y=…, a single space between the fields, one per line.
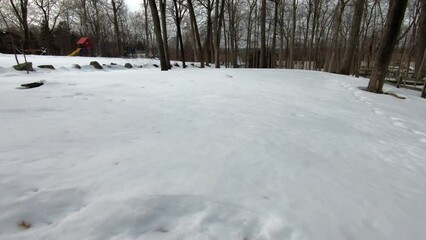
x=84 y=47
x=75 y=53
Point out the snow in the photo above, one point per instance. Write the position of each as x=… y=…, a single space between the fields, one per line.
x=207 y=154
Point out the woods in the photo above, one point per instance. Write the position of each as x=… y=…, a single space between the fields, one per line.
x=339 y=36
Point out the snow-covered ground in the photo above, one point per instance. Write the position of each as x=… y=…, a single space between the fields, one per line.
x=207 y=154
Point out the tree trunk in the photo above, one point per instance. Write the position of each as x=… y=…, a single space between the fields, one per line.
x=421 y=40
x=274 y=34
x=424 y=91
x=422 y=69
x=208 y=43
x=249 y=34
x=147 y=47
x=232 y=32
x=263 y=62
x=197 y=34
x=293 y=33
x=306 y=33
x=22 y=15
x=164 y=32
x=353 y=38
x=419 y=76
x=226 y=41
x=216 y=30
x=179 y=33
x=218 y=27
x=157 y=29
x=390 y=35
x=313 y=32
x=116 y=28
x=333 y=60
x=281 y=48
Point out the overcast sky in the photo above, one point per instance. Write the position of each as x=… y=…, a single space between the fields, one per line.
x=133 y=4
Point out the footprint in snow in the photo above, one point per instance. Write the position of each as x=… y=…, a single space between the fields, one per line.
x=399 y=124
x=298 y=115
x=396 y=119
x=419 y=133
x=378 y=112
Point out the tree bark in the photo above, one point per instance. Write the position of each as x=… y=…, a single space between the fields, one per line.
x=313 y=32
x=179 y=33
x=252 y=6
x=332 y=58
x=232 y=32
x=147 y=47
x=422 y=68
x=419 y=76
x=274 y=34
x=115 y=9
x=424 y=91
x=292 y=37
x=218 y=26
x=197 y=34
x=421 y=40
x=209 y=38
x=22 y=15
x=390 y=35
x=263 y=62
x=157 y=29
x=306 y=33
x=164 y=32
x=353 y=38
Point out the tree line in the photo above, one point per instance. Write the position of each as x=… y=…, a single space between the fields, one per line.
x=340 y=36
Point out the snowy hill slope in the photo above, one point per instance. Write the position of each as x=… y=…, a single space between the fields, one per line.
x=207 y=154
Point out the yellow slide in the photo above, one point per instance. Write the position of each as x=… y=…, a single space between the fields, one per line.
x=75 y=53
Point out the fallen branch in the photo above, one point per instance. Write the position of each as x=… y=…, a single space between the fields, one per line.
x=394 y=95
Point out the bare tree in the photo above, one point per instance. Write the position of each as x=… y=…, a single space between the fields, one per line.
x=421 y=69
x=316 y=7
x=277 y=4
x=197 y=34
x=353 y=37
x=293 y=35
x=209 y=5
x=387 y=44
x=234 y=24
x=84 y=16
x=157 y=28
x=263 y=62
x=116 y=6
x=51 y=11
x=164 y=32
x=178 y=19
x=421 y=41
x=333 y=59
x=147 y=46
x=218 y=26
x=20 y=10
x=95 y=21
x=249 y=30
